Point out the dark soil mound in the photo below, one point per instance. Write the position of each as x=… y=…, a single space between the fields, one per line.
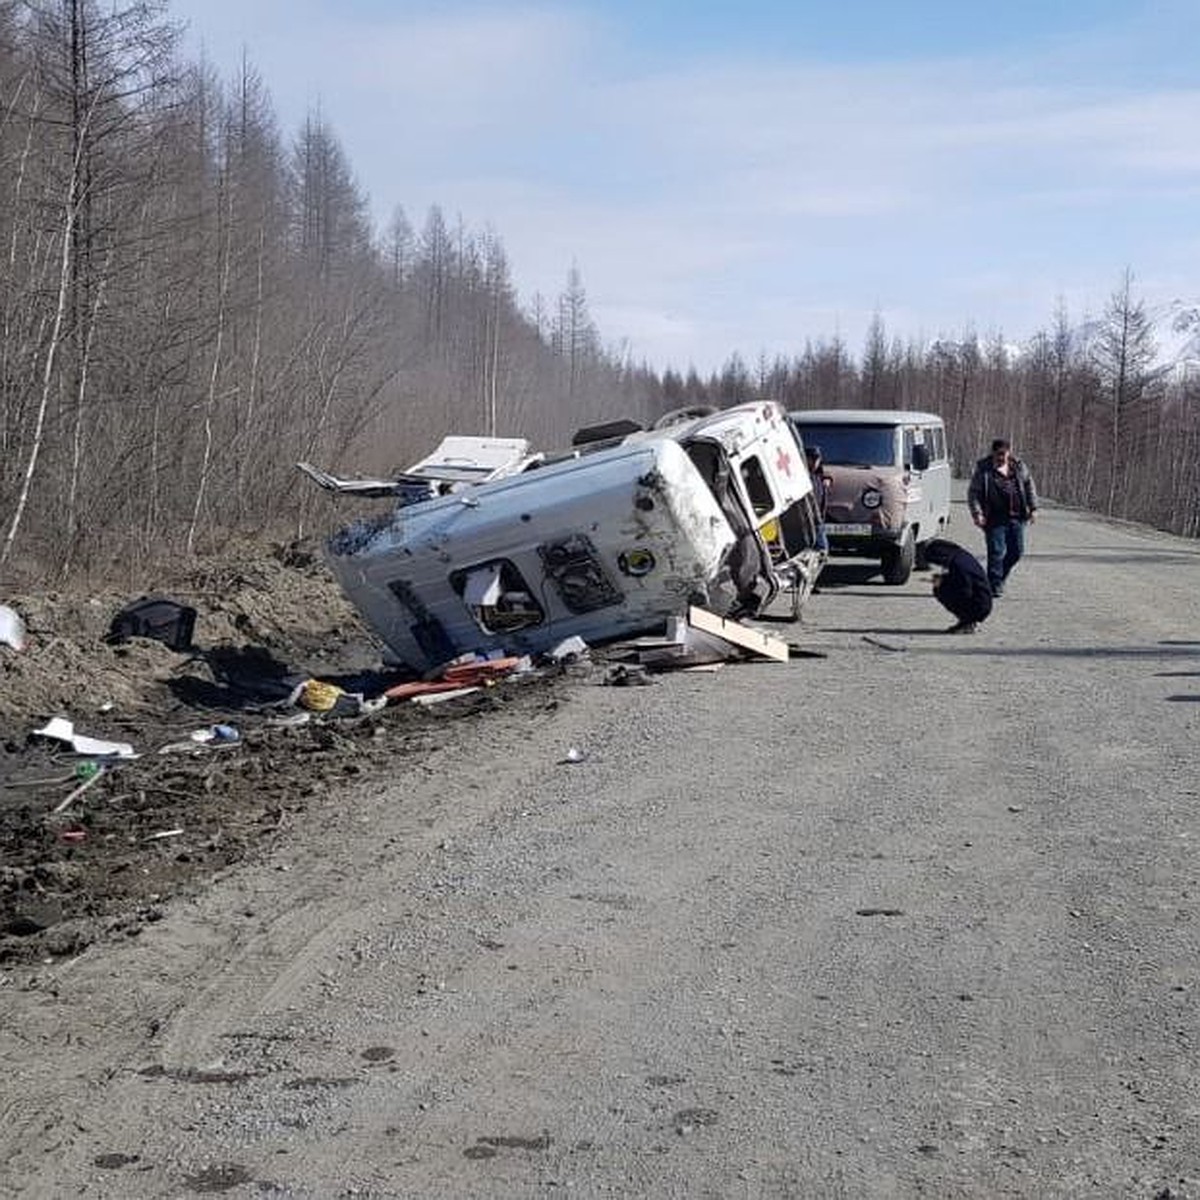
x=146 y=828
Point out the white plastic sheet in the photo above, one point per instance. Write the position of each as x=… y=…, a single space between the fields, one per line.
x=12 y=628
x=63 y=730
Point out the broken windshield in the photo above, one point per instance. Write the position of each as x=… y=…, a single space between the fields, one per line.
x=852 y=445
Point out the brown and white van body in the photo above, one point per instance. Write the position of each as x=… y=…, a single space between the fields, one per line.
x=890 y=491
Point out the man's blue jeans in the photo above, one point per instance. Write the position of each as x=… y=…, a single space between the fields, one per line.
x=1005 y=545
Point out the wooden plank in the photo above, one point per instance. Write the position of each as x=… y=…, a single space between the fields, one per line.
x=437 y=697
x=748 y=639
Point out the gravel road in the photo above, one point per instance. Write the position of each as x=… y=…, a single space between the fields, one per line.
x=918 y=918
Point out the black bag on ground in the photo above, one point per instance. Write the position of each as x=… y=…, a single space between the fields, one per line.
x=155 y=617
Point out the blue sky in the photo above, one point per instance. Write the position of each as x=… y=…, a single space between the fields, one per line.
x=748 y=177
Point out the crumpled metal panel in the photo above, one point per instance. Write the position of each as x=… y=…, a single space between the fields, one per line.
x=655 y=540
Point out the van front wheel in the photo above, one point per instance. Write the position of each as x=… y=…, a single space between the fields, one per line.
x=898 y=560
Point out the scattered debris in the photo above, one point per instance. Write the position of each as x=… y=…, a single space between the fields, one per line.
x=574 y=755
x=760 y=644
x=626 y=675
x=157 y=618
x=569 y=650
x=422 y=688
x=457 y=463
x=473 y=669
x=439 y=697
x=467 y=673
x=70 y=799
x=703 y=639
x=290 y=720
x=12 y=628
x=330 y=700
x=63 y=730
x=275 y=617
x=316 y=696
x=217 y=735
x=188 y=747
x=874 y=641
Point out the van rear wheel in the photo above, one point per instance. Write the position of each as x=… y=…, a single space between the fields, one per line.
x=898 y=560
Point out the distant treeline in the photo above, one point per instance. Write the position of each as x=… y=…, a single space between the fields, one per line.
x=192 y=303
x=1102 y=425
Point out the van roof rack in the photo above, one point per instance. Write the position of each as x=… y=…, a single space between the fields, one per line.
x=610 y=431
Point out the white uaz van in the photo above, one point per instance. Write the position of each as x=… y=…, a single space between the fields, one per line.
x=891 y=482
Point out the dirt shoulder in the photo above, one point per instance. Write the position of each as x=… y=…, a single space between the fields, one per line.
x=164 y=823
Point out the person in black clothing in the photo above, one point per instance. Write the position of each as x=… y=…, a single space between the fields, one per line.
x=964 y=588
x=1002 y=500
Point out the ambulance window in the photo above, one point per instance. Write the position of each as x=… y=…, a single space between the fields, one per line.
x=757 y=487
x=797 y=522
x=939 y=442
x=497 y=596
x=909 y=438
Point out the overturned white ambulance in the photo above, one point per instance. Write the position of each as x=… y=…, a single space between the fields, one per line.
x=603 y=541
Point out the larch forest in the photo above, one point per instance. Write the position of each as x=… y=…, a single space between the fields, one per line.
x=192 y=302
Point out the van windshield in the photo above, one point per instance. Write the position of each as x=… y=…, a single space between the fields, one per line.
x=852 y=445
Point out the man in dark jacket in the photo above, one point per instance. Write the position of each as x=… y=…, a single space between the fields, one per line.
x=964 y=588
x=1002 y=500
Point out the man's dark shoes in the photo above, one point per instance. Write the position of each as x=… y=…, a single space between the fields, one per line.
x=963 y=627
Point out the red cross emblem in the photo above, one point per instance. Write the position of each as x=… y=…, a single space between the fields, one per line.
x=783 y=460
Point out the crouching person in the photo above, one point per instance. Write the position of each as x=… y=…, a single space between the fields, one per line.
x=963 y=588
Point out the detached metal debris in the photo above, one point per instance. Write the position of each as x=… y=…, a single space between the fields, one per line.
x=628 y=528
x=703 y=639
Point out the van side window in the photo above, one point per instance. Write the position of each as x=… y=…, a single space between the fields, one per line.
x=909 y=438
x=937 y=442
x=757 y=487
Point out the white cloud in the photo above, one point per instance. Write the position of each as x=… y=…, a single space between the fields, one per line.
x=742 y=205
x=464 y=71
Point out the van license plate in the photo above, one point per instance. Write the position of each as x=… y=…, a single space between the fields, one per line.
x=857 y=530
